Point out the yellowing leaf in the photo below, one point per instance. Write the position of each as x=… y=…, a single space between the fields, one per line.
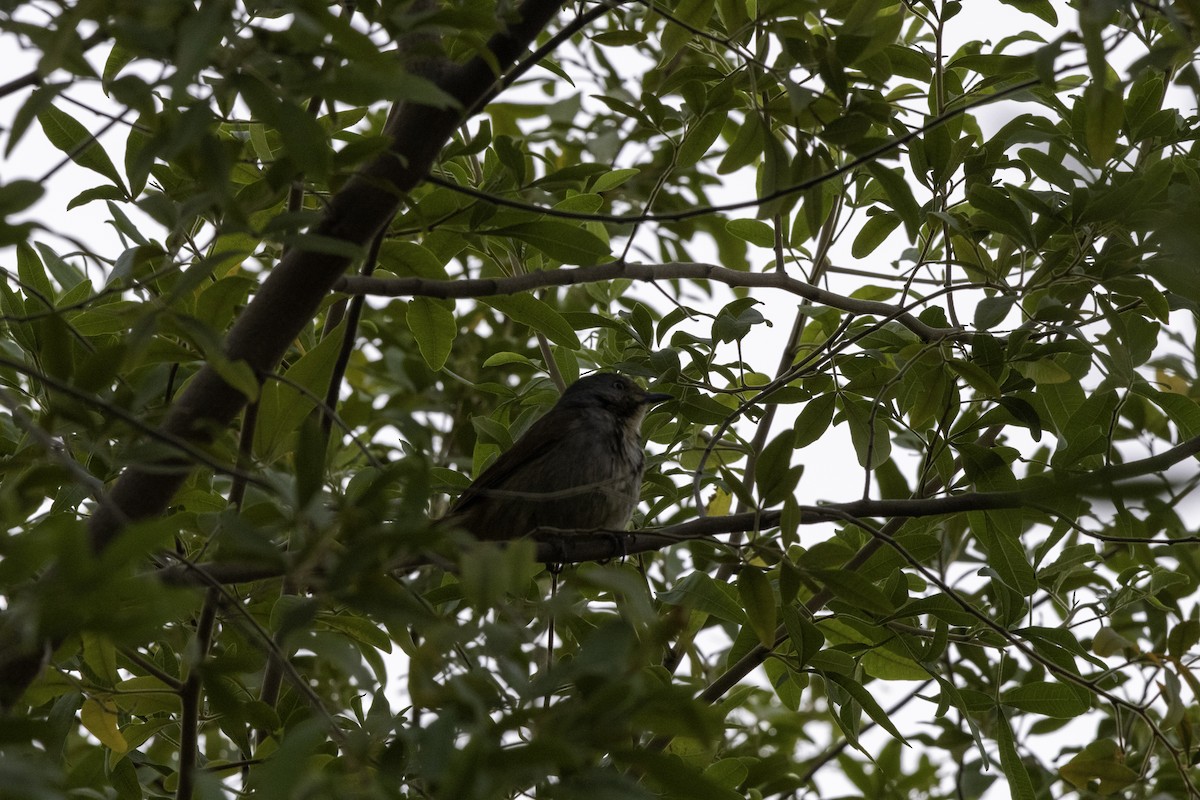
x=100 y=720
x=719 y=504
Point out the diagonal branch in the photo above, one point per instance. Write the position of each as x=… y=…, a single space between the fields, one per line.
x=288 y=300
x=290 y=296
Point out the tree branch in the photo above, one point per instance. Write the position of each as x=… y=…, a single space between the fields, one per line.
x=674 y=270
x=291 y=294
x=868 y=157
x=287 y=301
x=570 y=547
x=189 y=715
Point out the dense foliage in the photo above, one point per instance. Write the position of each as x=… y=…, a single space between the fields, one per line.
x=964 y=253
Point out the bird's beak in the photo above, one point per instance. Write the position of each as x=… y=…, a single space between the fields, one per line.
x=650 y=398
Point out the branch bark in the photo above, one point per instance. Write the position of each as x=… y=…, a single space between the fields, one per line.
x=291 y=294
x=490 y=287
x=286 y=302
x=599 y=545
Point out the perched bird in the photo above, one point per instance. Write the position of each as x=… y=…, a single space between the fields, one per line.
x=579 y=467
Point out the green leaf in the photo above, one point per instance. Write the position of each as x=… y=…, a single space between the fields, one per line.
x=1042 y=9
x=580 y=203
x=991 y=311
x=412 y=259
x=101 y=656
x=562 y=241
x=887 y=664
x=998 y=533
x=940 y=607
x=34 y=280
x=694 y=14
x=1107 y=642
x=434 y=327
x=138 y=158
x=611 y=180
x=807 y=639
x=865 y=699
x=670 y=771
x=1105 y=110
x=879 y=658
x=1047 y=699
x=146 y=695
x=18 y=195
x=282 y=408
x=102 y=192
x=1045 y=371
x=1102 y=761
x=358 y=628
x=699 y=140
x=308 y=458
x=618 y=38
x=754 y=231
x=747 y=145
x=976 y=377
x=868 y=433
x=280 y=775
x=999 y=212
x=505 y=358
x=899 y=195
x=67 y=274
x=1144 y=104
x=774 y=476
x=928 y=395
x=38 y=99
x=775 y=175
x=758 y=598
x=1183 y=411
x=304 y=140
x=1049 y=169
x=69 y=136
x=728 y=772
x=118 y=57
x=698 y=591
x=238 y=374
x=529 y=310
x=873 y=234
x=854 y=589
x=813 y=420
x=1019 y=784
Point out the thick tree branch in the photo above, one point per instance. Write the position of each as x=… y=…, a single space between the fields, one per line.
x=287 y=301
x=676 y=270
x=291 y=294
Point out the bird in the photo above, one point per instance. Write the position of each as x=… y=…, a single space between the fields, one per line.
x=578 y=467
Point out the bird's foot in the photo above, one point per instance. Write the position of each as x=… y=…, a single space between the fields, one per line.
x=618 y=539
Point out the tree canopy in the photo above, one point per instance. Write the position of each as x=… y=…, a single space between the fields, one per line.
x=356 y=249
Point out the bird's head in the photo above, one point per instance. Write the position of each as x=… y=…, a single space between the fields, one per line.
x=616 y=394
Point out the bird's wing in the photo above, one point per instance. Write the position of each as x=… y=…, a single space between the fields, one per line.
x=542 y=438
